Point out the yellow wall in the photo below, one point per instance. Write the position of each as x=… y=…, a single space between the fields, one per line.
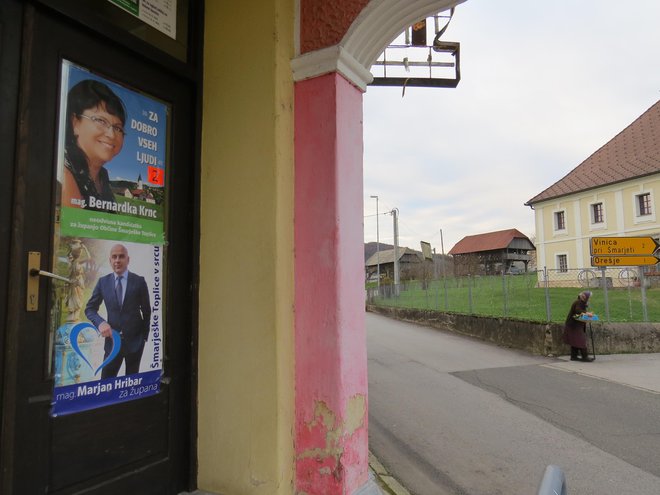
x=652 y=185
x=245 y=441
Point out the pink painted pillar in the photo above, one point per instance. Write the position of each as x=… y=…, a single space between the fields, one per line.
x=331 y=442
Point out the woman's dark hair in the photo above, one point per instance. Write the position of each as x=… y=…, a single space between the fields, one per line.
x=83 y=96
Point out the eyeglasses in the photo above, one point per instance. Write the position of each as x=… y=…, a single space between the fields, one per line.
x=103 y=124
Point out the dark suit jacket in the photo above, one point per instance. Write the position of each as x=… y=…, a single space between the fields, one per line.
x=131 y=320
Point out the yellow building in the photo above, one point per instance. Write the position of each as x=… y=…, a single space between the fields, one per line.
x=614 y=192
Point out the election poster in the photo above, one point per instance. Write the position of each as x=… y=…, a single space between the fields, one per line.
x=106 y=322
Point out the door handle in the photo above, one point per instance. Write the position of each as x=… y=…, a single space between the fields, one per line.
x=34 y=272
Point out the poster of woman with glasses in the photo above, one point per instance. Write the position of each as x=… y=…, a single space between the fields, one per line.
x=94 y=135
x=112 y=153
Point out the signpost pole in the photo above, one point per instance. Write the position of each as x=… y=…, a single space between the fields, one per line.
x=605 y=294
x=546 y=285
x=642 y=285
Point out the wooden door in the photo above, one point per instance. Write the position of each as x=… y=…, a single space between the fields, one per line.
x=139 y=446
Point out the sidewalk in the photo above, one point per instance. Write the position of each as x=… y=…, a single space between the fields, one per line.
x=640 y=371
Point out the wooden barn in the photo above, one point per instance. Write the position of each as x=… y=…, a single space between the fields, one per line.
x=492 y=253
x=408 y=260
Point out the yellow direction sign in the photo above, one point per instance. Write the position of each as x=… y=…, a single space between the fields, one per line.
x=623 y=246
x=623 y=260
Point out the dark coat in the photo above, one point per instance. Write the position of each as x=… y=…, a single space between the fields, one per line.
x=132 y=319
x=575 y=331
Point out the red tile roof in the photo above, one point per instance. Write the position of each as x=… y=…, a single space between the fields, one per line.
x=634 y=152
x=487 y=242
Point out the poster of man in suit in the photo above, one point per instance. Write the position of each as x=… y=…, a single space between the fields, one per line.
x=128 y=310
x=107 y=320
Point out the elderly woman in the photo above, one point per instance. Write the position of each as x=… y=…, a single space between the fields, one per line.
x=575 y=329
x=94 y=135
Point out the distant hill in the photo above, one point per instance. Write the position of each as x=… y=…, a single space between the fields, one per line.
x=124 y=184
x=370 y=248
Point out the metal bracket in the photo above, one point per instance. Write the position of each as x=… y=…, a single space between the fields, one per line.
x=402 y=77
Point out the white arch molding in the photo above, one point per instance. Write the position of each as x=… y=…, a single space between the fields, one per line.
x=377 y=25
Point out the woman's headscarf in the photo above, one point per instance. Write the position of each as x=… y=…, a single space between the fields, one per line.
x=585 y=295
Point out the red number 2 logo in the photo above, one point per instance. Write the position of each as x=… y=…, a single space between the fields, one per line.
x=156 y=175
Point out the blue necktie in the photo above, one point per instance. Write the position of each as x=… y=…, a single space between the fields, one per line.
x=118 y=290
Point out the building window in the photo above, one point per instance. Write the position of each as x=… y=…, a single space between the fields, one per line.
x=562 y=262
x=597 y=213
x=560 y=220
x=644 y=204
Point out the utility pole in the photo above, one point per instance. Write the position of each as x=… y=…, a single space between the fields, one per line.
x=377 y=244
x=444 y=274
x=395 y=220
x=442 y=248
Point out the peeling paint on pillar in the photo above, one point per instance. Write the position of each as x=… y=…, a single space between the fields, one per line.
x=331 y=441
x=325 y=445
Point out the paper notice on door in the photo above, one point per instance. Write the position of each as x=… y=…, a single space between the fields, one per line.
x=159 y=14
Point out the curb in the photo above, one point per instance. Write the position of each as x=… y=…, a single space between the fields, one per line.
x=388 y=484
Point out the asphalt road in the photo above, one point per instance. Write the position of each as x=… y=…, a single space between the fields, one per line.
x=453 y=415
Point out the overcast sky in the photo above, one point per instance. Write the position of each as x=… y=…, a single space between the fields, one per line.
x=543 y=85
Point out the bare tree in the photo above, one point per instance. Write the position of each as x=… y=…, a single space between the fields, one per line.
x=425 y=272
x=466 y=264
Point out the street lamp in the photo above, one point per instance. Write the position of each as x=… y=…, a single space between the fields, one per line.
x=377 y=245
x=395 y=220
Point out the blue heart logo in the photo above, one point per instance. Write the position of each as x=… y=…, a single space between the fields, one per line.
x=73 y=339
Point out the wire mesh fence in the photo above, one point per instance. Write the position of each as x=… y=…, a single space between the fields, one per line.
x=618 y=295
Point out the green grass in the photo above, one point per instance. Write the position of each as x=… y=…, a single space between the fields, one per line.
x=519 y=297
